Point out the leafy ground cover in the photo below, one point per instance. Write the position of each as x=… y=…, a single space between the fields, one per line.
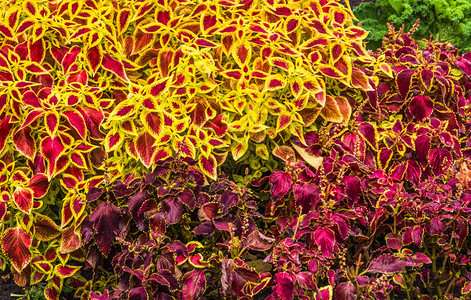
x=187 y=150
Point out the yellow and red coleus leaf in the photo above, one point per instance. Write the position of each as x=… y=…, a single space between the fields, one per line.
x=208 y=166
x=113 y=140
x=70 y=240
x=242 y=53
x=37 y=50
x=16 y=245
x=32 y=116
x=45 y=229
x=336 y=109
x=331 y=71
x=114 y=66
x=39 y=184
x=64 y=271
x=23 y=199
x=5 y=128
x=51 y=120
x=94 y=57
x=144 y=144
x=360 y=80
x=275 y=82
x=51 y=148
x=124 y=18
x=51 y=292
x=159 y=87
x=208 y=23
x=77 y=122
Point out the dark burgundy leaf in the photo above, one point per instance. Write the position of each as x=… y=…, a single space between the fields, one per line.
x=173 y=209
x=421 y=107
x=105 y=219
x=403 y=80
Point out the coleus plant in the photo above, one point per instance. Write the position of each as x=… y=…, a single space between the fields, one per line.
x=383 y=213
x=100 y=85
x=397 y=176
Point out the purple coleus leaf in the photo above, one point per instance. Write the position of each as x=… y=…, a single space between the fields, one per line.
x=173 y=209
x=325 y=238
x=345 y=291
x=284 y=285
x=440 y=160
x=422 y=148
x=138 y=293
x=104 y=219
x=194 y=284
x=368 y=132
x=258 y=241
x=306 y=280
x=389 y=264
x=421 y=107
x=280 y=183
x=306 y=197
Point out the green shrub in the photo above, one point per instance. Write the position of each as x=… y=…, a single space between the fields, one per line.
x=443 y=20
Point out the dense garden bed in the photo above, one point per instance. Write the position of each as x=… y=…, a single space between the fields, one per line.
x=179 y=149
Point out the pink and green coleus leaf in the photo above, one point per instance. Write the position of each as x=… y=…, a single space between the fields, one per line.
x=16 y=245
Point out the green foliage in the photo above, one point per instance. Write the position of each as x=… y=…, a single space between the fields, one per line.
x=444 y=20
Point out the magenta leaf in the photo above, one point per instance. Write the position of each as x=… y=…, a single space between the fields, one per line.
x=389 y=264
x=194 y=284
x=306 y=196
x=368 y=132
x=284 y=285
x=280 y=183
x=138 y=293
x=440 y=160
x=325 y=238
x=345 y=291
